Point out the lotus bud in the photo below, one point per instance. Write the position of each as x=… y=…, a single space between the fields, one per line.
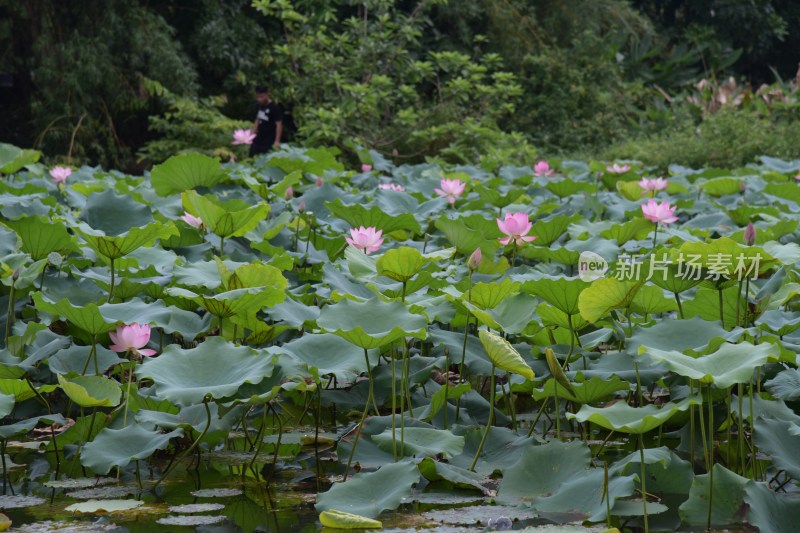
x=289 y=194
x=750 y=234
x=15 y=275
x=475 y=259
x=302 y=206
x=742 y=187
x=319 y=181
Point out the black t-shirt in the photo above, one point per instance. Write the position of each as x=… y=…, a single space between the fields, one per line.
x=267 y=117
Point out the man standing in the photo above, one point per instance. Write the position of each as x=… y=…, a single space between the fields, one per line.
x=268 y=125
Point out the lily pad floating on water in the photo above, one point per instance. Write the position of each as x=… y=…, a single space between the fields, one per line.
x=17 y=502
x=79 y=482
x=341 y=520
x=478 y=514
x=196 y=508
x=216 y=493
x=107 y=506
x=106 y=492
x=190 y=520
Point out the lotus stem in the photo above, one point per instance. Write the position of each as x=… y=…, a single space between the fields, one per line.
x=5 y=470
x=557 y=410
x=461 y=366
x=278 y=444
x=111 y=287
x=190 y=448
x=10 y=313
x=706 y=456
x=711 y=454
x=644 y=482
x=728 y=424
x=509 y=403
x=655 y=235
x=739 y=301
x=41 y=278
x=740 y=428
x=128 y=393
x=92 y=355
x=394 y=407
x=370 y=399
x=488 y=423
x=606 y=494
x=691 y=425
x=446 y=384
x=680 y=306
x=721 y=309
x=639 y=395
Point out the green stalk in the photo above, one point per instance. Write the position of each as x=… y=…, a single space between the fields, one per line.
x=638 y=384
x=728 y=424
x=711 y=453
x=721 y=309
x=706 y=455
x=557 y=410
x=111 y=287
x=644 y=482
x=10 y=313
x=655 y=236
x=461 y=366
x=370 y=399
x=191 y=448
x=446 y=384
x=509 y=404
x=680 y=307
x=128 y=393
x=691 y=425
x=488 y=423
x=740 y=429
x=394 y=407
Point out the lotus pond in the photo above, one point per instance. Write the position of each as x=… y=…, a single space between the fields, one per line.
x=287 y=344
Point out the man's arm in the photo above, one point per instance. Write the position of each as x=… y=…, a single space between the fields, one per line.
x=278 y=133
x=254 y=129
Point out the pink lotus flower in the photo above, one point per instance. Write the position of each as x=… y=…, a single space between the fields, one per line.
x=516 y=226
x=365 y=167
x=750 y=234
x=132 y=339
x=475 y=259
x=659 y=212
x=542 y=168
x=192 y=220
x=59 y=174
x=450 y=189
x=243 y=137
x=319 y=181
x=656 y=184
x=797 y=177
x=391 y=187
x=617 y=169
x=366 y=239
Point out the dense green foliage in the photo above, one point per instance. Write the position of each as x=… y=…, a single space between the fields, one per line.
x=458 y=81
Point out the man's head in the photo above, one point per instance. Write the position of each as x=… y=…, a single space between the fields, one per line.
x=262 y=95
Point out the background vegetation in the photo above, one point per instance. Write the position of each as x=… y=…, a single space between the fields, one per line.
x=126 y=84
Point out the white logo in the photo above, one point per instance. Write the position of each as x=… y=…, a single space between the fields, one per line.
x=591 y=266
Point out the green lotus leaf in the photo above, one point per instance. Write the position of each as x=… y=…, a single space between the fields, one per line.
x=779 y=439
x=91 y=391
x=779 y=322
x=114 y=247
x=542 y=469
x=623 y=418
x=769 y=511
x=729 y=492
x=107 y=506
x=269 y=281
x=88 y=318
x=711 y=253
x=357 y=215
x=400 y=264
x=729 y=365
x=372 y=323
x=550 y=316
x=8 y=430
x=112 y=214
x=171 y=319
x=13 y=159
x=330 y=355
x=216 y=368
x=557 y=372
x=185 y=171
x=422 y=442
x=604 y=295
x=549 y=230
x=225 y=219
x=41 y=236
x=785 y=385
x=649 y=299
x=225 y=304
x=118 y=447
x=693 y=334
x=585 y=495
x=722 y=186
x=341 y=520
x=563 y=293
x=590 y=391
x=368 y=494
x=461 y=478
x=7 y=402
x=469 y=233
x=503 y=355
x=566 y=187
x=17 y=266
x=489 y=295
